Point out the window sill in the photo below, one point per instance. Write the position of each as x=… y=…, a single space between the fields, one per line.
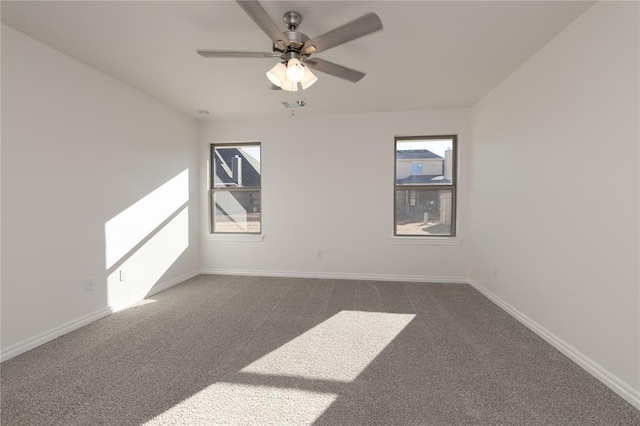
x=251 y=238
x=427 y=241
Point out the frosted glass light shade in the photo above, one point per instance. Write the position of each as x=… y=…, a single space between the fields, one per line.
x=295 y=70
x=278 y=74
x=289 y=85
x=308 y=79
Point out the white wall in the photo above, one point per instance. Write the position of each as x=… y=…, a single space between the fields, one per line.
x=79 y=148
x=328 y=185
x=565 y=236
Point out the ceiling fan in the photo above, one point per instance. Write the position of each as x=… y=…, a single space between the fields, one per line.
x=295 y=48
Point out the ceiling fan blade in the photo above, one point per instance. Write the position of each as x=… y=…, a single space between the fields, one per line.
x=260 y=16
x=334 y=69
x=228 y=54
x=357 y=28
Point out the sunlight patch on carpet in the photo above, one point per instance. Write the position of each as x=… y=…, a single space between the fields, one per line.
x=236 y=404
x=338 y=349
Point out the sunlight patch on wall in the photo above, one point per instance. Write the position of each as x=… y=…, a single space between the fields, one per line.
x=240 y=404
x=145 y=267
x=338 y=349
x=132 y=225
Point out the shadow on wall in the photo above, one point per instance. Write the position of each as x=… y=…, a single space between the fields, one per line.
x=144 y=240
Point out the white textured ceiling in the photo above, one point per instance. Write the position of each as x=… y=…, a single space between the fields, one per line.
x=429 y=54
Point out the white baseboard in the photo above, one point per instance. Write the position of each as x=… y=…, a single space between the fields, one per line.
x=338 y=275
x=610 y=380
x=47 y=336
x=42 y=338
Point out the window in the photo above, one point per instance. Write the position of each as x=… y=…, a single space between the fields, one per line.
x=235 y=188
x=425 y=186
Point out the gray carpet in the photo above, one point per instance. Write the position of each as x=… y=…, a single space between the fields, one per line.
x=248 y=350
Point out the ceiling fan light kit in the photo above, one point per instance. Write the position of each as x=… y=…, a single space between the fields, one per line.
x=294 y=48
x=290 y=86
x=277 y=74
x=308 y=79
x=295 y=70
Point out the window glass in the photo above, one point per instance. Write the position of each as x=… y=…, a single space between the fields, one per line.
x=425 y=186
x=236 y=188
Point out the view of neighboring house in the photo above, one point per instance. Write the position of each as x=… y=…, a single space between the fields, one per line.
x=236 y=190
x=416 y=203
x=421 y=166
x=235 y=168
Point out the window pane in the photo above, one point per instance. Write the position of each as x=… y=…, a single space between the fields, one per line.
x=236 y=211
x=423 y=211
x=236 y=166
x=424 y=162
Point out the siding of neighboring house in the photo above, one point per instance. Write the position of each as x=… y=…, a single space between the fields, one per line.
x=417 y=162
x=430 y=166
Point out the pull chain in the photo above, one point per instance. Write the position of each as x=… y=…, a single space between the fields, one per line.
x=293 y=111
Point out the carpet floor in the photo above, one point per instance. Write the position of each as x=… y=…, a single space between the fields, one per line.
x=250 y=350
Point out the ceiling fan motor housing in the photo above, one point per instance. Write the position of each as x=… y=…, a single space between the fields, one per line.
x=295 y=39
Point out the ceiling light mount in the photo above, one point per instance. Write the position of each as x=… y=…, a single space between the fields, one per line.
x=292 y=20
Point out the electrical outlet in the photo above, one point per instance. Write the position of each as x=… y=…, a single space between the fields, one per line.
x=88 y=284
x=319 y=254
x=123 y=275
